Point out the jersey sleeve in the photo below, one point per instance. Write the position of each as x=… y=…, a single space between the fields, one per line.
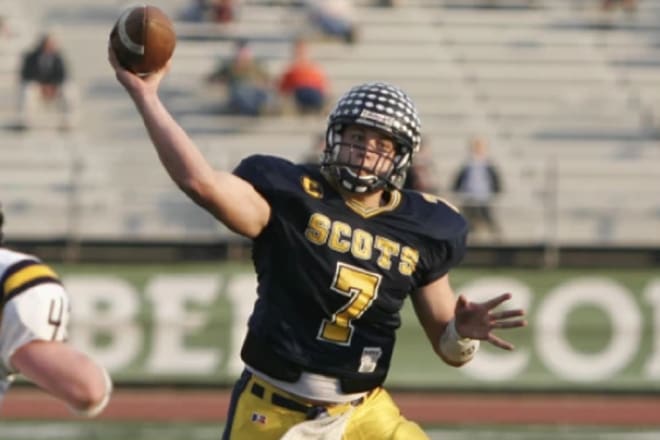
x=447 y=236
x=251 y=169
x=447 y=254
x=23 y=275
x=35 y=307
x=269 y=175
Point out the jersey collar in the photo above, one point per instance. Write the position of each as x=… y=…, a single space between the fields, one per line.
x=361 y=210
x=366 y=212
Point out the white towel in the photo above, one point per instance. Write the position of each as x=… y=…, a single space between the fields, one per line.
x=321 y=428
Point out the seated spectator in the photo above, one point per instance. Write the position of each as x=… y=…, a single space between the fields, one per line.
x=218 y=11
x=248 y=82
x=304 y=81
x=334 y=18
x=314 y=154
x=44 y=73
x=387 y=3
x=196 y=11
x=627 y=5
x=421 y=175
x=4 y=29
x=223 y=11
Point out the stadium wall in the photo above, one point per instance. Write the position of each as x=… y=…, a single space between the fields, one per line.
x=485 y=255
x=590 y=329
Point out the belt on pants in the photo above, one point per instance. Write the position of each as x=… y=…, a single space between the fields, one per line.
x=311 y=410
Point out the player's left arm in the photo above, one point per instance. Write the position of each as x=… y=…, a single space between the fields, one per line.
x=35 y=316
x=434 y=305
x=453 y=325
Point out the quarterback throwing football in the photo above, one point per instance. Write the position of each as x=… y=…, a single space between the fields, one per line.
x=337 y=249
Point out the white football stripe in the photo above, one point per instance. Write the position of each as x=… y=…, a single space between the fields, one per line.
x=137 y=49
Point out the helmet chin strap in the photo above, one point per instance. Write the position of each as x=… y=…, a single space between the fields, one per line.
x=351 y=181
x=369 y=181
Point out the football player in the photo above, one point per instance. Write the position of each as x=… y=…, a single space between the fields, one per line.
x=337 y=249
x=34 y=314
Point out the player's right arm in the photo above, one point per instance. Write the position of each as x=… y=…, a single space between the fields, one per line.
x=229 y=198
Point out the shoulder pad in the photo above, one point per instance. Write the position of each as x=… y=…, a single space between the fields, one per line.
x=441 y=220
x=266 y=172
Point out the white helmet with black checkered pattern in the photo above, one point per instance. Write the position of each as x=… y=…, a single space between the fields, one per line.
x=378 y=106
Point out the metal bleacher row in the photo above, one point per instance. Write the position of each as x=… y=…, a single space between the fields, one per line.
x=569 y=102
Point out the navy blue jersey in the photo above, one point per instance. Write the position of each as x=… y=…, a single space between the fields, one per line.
x=333 y=275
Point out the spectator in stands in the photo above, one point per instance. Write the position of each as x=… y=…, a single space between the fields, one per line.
x=248 y=83
x=44 y=73
x=476 y=184
x=224 y=11
x=315 y=153
x=495 y=4
x=304 y=81
x=421 y=175
x=195 y=11
x=4 y=29
x=387 y=3
x=218 y=11
x=333 y=18
x=626 y=5
x=5 y=35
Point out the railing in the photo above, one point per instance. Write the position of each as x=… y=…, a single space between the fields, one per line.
x=79 y=204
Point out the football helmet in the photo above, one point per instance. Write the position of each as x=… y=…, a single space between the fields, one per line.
x=379 y=106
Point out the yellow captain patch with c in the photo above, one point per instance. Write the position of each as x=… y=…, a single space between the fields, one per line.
x=312 y=187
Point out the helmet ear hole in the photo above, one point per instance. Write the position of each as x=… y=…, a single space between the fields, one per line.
x=379 y=106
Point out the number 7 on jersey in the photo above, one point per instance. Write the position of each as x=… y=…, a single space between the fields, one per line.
x=361 y=287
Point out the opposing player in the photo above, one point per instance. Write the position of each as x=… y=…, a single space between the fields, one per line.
x=34 y=313
x=337 y=250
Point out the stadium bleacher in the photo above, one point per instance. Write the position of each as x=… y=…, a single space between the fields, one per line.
x=570 y=108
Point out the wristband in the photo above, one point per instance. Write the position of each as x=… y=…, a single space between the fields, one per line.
x=456 y=348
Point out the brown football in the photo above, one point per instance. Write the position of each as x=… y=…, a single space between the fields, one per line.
x=143 y=39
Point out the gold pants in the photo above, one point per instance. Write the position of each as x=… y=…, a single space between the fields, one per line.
x=261 y=411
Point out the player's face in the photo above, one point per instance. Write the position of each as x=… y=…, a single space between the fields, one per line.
x=368 y=151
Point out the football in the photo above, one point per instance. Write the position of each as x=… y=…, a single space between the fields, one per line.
x=143 y=39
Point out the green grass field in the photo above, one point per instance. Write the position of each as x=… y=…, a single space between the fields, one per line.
x=91 y=430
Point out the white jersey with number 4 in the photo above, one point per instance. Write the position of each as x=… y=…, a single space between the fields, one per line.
x=33 y=306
